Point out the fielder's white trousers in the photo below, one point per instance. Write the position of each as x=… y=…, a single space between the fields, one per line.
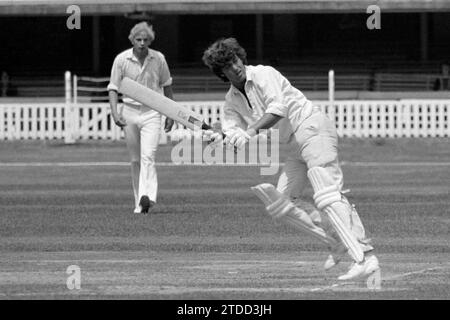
x=142 y=134
x=315 y=144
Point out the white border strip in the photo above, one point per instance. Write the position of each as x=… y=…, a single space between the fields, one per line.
x=383 y=279
x=171 y=164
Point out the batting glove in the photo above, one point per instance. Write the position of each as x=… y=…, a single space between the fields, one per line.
x=215 y=138
x=210 y=135
x=238 y=138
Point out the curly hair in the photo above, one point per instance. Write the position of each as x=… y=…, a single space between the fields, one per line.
x=142 y=26
x=221 y=54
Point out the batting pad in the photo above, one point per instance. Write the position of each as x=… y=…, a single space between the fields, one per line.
x=282 y=209
x=328 y=198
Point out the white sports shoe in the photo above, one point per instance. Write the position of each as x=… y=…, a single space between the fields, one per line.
x=365 y=268
x=138 y=209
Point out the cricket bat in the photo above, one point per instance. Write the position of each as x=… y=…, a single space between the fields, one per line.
x=162 y=104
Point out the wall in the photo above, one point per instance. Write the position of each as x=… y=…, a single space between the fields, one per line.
x=43 y=45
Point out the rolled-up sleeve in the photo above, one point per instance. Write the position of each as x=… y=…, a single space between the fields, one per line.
x=271 y=88
x=165 y=77
x=116 y=75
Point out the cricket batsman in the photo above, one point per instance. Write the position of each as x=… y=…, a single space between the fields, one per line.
x=260 y=98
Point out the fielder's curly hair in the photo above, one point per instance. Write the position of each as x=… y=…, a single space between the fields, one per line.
x=221 y=54
x=142 y=26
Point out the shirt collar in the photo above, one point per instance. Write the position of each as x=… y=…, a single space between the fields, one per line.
x=249 y=78
x=249 y=73
x=131 y=56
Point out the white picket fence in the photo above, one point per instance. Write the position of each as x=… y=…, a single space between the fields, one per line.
x=402 y=118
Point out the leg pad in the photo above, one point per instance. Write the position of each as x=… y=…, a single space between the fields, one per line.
x=281 y=208
x=329 y=199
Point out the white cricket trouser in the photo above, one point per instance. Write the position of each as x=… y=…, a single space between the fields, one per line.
x=315 y=145
x=142 y=134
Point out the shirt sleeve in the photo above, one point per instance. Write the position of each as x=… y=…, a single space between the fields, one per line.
x=232 y=119
x=165 y=78
x=270 y=85
x=116 y=75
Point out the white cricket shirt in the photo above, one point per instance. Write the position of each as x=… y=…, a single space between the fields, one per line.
x=268 y=91
x=154 y=73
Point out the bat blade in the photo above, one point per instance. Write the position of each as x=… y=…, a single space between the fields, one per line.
x=162 y=104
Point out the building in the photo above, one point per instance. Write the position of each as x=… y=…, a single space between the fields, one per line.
x=301 y=36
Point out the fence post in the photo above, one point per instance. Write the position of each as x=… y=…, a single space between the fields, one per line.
x=358 y=130
x=331 y=96
x=441 y=120
x=75 y=109
x=433 y=127
x=68 y=123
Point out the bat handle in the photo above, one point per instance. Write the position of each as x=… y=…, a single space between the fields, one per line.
x=206 y=126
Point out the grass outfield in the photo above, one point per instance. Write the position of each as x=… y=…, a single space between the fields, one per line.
x=209 y=237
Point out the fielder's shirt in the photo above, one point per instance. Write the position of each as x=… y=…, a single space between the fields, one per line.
x=268 y=91
x=154 y=73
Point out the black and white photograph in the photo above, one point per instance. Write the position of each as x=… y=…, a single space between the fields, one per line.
x=224 y=155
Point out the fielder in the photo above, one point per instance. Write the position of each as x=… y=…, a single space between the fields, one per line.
x=142 y=125
x=259 y=98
